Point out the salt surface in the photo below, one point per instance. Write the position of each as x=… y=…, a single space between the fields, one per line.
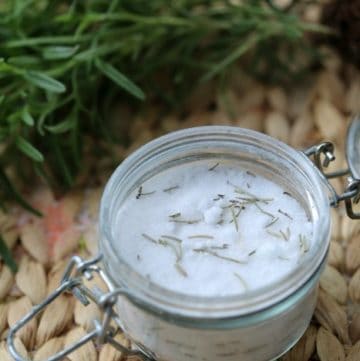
x=212 y=230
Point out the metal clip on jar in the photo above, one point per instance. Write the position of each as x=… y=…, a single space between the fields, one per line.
x=258 y=325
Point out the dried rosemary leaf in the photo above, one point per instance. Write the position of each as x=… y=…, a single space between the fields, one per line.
x=149 y=238
x=167 y=190
x=285 y=214
x=172 y=238
x=223 y=246
x=206 y=236
x=175 y=215
x=288 y=194
x=180 y=269
x=272 y=222
x=251 y=174
x=284 y=235
x=303 y=244
x=234 y=219
x=274 y=234
x=177 y=251
x=207 y=250
x=185 y=221
x=252 y=196
x=213 y=167
x=243 y=282
x=263 y=211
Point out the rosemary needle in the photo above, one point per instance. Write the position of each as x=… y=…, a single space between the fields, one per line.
x=206 y=236
x=178 y=252
x=284 y=235
x=304 y=247
x=249 y=194
x=190 y=221
x=215 y=254
x=274 y=234
x=175 y=215
x=251 y=174
x=172 y=238
x=241 y=280
x=285 y=214
x=263 y=211
x=223 y=246
x=234 y=219
x=149 y=238
x=148 y=193
x=288 y=194
x=272 y=222
x=166 y=190
x=141 y=193
x=247 y=200
x=214 y=167
x=180 y=269
x=219 y=196
x=165 y=243
x=230 y=259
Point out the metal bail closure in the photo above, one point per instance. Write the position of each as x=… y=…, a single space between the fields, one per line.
x=353 y=160
x=72 y=283
x=323 y=154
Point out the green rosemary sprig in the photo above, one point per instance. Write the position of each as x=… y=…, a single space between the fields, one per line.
x=65 y=64
x=6 y=255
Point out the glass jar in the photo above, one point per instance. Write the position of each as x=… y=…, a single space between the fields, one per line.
x=256 y=326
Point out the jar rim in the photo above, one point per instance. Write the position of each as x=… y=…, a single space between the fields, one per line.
x=353 y=148
x=161 y=300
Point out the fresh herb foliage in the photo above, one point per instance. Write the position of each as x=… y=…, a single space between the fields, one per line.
x=65 y=63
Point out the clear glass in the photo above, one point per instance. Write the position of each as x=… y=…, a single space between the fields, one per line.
x=353 y=148
x=257 y=325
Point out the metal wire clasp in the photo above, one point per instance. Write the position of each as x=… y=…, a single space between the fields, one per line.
x=72 y=283
x=323 y=154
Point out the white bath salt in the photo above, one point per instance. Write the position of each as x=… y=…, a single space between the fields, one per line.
x=212 y=230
